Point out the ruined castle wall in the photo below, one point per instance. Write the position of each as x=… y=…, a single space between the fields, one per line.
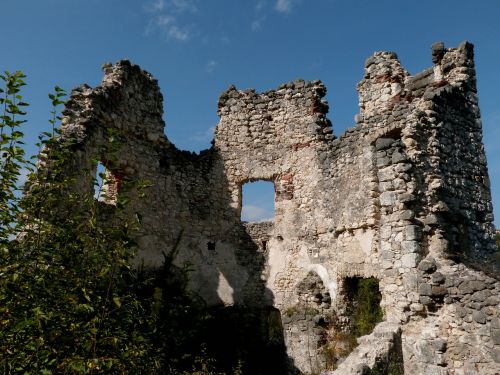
x=277 y=136
x=186 y=204
x=460 y=195
x=416 y=221
x=403 y=196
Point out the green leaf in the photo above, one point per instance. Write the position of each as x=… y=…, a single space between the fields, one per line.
x=117 y=302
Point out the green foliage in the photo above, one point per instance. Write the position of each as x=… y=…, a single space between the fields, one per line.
x=12 y=158
x=65 y=301
x=366 y=311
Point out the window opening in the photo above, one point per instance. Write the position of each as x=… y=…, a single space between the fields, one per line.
x=264 y=245
x=257 y=201
x=106 y=184
x=363 y=304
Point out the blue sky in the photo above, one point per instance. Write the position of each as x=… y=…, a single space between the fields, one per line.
x=197 y=48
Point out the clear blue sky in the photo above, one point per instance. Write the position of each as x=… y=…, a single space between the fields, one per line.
x=197 y=48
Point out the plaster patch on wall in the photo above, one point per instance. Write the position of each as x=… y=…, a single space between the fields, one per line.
x=329 y=281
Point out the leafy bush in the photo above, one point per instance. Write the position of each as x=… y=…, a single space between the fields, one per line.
x=65 y=301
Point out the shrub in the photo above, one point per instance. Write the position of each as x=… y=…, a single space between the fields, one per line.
x=65 y=301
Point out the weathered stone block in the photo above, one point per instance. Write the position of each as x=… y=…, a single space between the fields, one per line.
x=438 y=291
x=409 y=260
x=388 y=198
x=479 y=317
x=403 y=215
x=410 y=247
x=398 y=158
x=383 y=143
x=382 y=162
x=466 y=287
x=427 y=265
x=412 y=232
x=425 y=289
x=438 y=277
x=386 y=174
x=481 y=296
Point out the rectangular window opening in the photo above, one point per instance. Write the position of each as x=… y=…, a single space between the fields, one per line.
x=258 y=201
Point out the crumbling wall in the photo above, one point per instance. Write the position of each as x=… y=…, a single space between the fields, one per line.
x=434 y=201
x=403 y=196
x=187 y=201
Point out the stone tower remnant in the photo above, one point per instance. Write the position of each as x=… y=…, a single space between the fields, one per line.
x=402 y=197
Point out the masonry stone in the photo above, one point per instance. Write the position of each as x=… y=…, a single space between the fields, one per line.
x=402 y=197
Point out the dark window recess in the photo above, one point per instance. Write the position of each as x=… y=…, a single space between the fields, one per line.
x=164 y=162
x=264 y=245
x=211 y=245
x=363 y=304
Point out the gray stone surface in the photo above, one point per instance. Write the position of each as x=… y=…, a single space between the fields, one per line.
x=403 y=196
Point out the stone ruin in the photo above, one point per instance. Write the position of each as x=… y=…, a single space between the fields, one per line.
x=403 y=197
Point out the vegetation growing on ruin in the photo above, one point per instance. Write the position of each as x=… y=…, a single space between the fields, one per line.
x=364 y=312
x=362 y=297
x=69 y=300
x=65 y=301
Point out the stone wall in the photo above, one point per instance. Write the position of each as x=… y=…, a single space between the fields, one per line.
x=403 y=196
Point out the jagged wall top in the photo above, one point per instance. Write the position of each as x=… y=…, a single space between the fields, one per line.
x=125 y=88
x=386 y=83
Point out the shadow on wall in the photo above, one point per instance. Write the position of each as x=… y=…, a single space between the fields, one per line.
x=216 y=340
x=248 y=334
